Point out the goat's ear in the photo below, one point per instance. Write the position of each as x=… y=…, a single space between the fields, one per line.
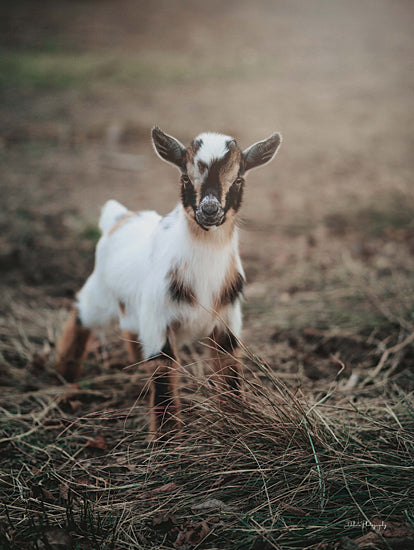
x=168 y=148
x=261 y=152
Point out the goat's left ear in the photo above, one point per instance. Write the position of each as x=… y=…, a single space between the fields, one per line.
x=168 y=148
x=261 y=152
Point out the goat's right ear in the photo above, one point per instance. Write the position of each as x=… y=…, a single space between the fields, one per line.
x=168 y=148
x=261 y=152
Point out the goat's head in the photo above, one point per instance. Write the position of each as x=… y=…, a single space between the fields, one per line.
x=212 y=172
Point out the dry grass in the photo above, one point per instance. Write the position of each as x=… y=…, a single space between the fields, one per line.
x=276 y=469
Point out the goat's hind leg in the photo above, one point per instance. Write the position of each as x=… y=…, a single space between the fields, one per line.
x=93 y=309
x=72 y=347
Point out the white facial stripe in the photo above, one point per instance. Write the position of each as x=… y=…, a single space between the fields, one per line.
x=214 y=146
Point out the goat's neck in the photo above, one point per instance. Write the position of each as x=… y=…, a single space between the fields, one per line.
x=204 y=252
x=205 y=258
x=221 y=237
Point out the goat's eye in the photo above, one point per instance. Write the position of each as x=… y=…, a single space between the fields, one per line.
x=238 y=181
x=186 y=180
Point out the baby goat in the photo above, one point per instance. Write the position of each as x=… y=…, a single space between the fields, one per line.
x=172 y=279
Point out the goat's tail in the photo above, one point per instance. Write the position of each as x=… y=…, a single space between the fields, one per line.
x=112 y=211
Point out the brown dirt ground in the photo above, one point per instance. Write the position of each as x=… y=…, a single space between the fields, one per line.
x=327 y=231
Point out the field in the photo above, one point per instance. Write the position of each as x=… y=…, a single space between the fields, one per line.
x=319 y=453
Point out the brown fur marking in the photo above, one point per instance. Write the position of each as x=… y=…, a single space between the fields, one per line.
x=179 y=291
x=192 y=150
x=202 y=166
x=72 y=348
x=232 y=287
x=229 y=172
x=128 y=215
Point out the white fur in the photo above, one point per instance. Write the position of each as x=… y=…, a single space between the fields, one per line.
x=132 y=266
x=214 y=147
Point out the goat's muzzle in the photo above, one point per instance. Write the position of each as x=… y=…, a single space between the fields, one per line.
x=209 y=213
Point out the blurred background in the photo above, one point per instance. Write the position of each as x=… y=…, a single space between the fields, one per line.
x=327 y=229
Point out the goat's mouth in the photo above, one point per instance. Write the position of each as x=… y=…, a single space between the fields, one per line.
x=209 y=213
x=208 y=222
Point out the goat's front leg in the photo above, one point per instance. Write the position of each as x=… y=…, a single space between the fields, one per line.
x=225 y=353
x=165 y=403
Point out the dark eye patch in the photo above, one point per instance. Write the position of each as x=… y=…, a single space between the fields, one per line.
x=234 y=195
x=188 y=192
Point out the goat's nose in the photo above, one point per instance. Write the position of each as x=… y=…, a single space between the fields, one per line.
x=210 y=208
